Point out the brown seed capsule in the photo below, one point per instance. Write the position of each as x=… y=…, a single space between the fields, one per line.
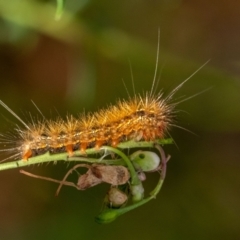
x=116 y=198
x=88 y=180
x=96 y=174
x=114 y=175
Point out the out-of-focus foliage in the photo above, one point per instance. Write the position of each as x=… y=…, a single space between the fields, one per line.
x=77 y=63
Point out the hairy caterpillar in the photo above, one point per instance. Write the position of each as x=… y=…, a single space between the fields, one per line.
x=145 y=117
x=141 y=118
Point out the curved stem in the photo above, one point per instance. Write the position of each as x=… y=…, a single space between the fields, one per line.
x=110 y=215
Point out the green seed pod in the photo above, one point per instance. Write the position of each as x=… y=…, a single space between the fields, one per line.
x=145 y=161
x=137 y=192
x=107 y=216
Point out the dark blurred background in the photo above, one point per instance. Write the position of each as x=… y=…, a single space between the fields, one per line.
x=78 y=63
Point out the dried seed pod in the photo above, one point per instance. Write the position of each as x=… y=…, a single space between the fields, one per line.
x=88 y=180
x=114 y=175
x=116 y=198
x=96 y=174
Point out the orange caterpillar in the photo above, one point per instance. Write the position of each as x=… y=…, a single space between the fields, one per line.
x=141 y=118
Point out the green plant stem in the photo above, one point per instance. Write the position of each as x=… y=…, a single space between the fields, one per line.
x=79 y=156
x=59 y=10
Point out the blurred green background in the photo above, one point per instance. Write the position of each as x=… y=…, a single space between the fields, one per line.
x=78 y=63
